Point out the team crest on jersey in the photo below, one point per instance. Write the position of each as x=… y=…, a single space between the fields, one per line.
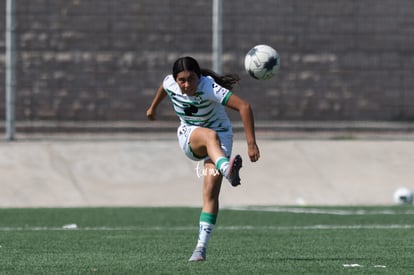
x=197 y=97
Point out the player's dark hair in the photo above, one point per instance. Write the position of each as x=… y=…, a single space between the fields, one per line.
x=188 y=63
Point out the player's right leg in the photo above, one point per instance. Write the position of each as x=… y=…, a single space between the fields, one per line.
x=206 y=142
x=200 y=143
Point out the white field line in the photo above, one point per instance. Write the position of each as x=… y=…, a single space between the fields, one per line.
x=235 y=228
x=324 y=211
x=300 y=210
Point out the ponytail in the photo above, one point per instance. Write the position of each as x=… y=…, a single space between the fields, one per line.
x=188 y=63
x=226 y=80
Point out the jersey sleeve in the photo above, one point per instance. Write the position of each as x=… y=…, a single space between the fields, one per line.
x=168 y=83
x=220 y=93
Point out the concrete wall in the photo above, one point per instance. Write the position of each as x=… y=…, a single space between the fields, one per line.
x=101 y=172
x=102 y=60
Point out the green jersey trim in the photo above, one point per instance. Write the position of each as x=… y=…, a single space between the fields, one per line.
x=226 y=99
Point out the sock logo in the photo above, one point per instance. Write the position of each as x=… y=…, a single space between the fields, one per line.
x=207 y=230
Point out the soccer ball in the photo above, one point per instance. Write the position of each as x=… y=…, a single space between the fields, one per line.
x=403 y=196
x=262 y=62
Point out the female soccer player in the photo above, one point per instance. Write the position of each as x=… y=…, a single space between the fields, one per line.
x=205 y=133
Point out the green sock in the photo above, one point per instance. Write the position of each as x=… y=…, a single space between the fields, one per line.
x=208 y=218
x=223 y=164
x=207 y=224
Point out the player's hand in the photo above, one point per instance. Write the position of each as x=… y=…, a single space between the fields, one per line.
x=151 y=114
x=254 y=153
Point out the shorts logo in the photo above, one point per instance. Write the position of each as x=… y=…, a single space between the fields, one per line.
x=183 y=131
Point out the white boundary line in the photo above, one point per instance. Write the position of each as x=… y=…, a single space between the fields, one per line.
x=324 y=211
x=300 y=210
x=235 y=228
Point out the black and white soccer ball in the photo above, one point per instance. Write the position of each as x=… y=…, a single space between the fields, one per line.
x=403 y=195
x=262 y=62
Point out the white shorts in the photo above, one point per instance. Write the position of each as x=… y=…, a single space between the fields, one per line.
x=184 y=133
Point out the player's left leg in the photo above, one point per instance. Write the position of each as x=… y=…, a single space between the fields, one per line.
x=211 y=191
x=211 y=188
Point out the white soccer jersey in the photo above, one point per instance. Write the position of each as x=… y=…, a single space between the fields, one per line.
x=205 y=108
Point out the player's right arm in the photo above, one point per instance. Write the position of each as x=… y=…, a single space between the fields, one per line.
x=159 y=96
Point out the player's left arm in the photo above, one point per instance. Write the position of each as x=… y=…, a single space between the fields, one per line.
x=246 y=115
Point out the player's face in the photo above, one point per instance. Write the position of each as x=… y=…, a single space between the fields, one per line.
x=188 y=82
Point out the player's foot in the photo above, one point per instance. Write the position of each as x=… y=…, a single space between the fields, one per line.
x=235 y=165
x=199 y=255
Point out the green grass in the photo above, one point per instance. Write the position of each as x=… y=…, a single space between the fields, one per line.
x=267 y=240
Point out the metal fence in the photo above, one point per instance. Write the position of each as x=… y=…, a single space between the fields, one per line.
x=80 y=64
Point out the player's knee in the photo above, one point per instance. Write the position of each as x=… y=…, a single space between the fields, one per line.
x=212 y=136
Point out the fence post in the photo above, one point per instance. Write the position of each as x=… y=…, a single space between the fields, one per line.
x=217 y=36
x=10 y=70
